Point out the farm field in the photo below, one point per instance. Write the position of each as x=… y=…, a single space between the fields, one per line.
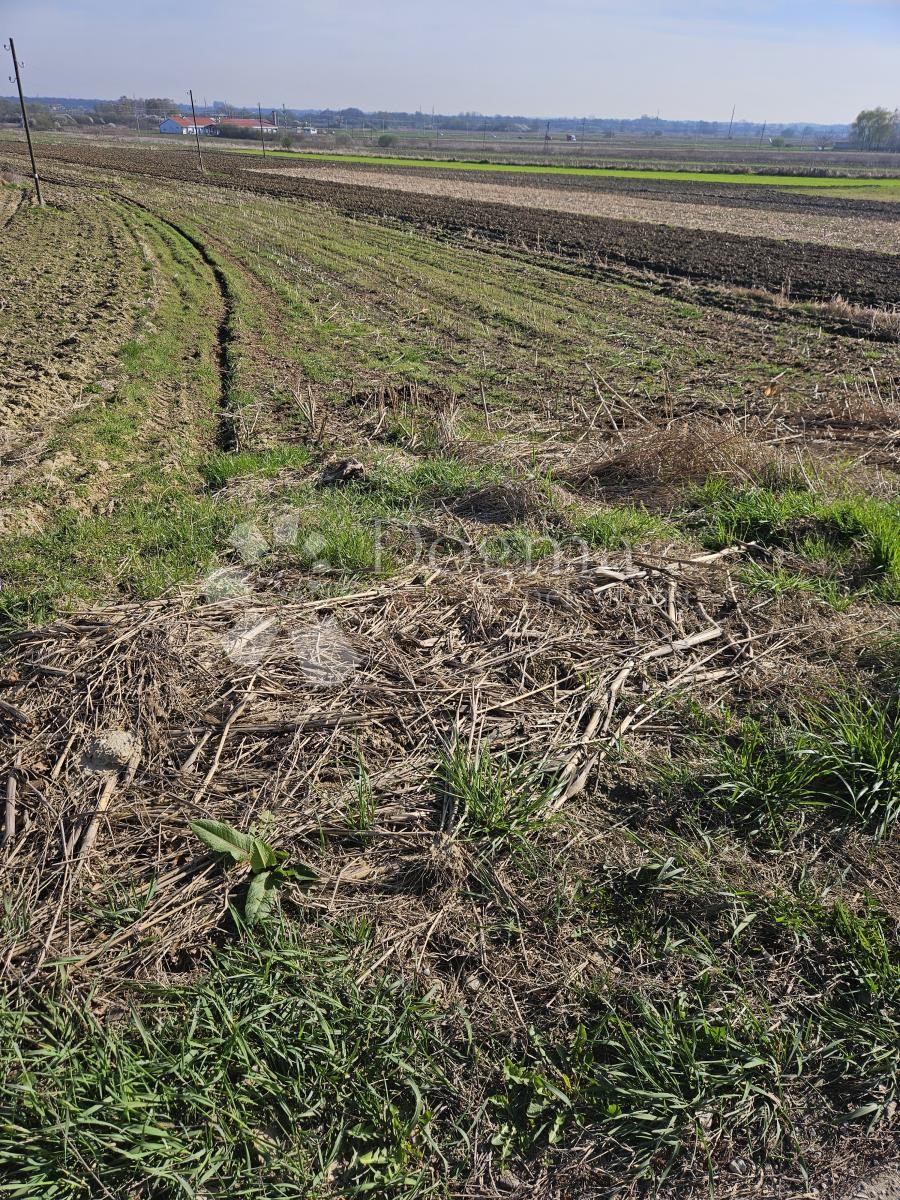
x=448 y=686
x=868 y=183
x=881 y=230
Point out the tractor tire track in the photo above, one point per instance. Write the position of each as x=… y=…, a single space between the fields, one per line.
x=226 y=435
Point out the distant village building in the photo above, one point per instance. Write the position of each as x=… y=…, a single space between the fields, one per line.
x=215 y=125
x=247 y=123
x=185 y=125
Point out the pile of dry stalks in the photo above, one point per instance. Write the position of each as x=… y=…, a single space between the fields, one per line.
x=241 y=708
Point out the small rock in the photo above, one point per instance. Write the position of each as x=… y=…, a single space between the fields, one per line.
x=110 y=751
x=345 y=470
x=508 y=1181
x=739 y=1166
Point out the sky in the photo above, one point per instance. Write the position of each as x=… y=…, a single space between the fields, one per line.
x=811 y=60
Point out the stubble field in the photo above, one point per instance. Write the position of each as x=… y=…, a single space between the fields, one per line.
x=517 y=591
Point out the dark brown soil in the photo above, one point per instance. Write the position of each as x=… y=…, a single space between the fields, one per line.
x=729 y=195
x=802 y=269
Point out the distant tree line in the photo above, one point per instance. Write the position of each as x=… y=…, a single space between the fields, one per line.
x=873 y=129
x=52 y=113
x=876 y=129
x=39 y=115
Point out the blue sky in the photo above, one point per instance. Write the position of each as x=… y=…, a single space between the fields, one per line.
x=817 y=60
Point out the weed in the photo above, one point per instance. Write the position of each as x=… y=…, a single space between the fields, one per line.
x=492 y=799
x=844 y=761
x=621 y=527
x=268 y=867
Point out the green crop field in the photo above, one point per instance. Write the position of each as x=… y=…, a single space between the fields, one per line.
x=876 y=185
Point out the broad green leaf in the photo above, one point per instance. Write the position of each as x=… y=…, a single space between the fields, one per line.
x=305 y=876
x=260 y=895
x=262 y=855
x=224 y=839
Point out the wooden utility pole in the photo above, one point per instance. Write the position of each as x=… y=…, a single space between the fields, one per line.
x=731 y=122
x=196 y=129
x=262 y=132
x=763 y=134
x=34 y=170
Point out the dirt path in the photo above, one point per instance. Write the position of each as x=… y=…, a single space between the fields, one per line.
x=857 y=233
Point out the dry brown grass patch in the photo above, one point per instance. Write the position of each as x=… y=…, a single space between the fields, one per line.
x=685 y=452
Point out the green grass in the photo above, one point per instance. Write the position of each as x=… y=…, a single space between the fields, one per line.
x=650 y=1075
x=220 y=468
x=778 y=581
x=492 y=800
x=139 y=551
x=269 y=1074
x=792 y=181
x=284 y=1067
x=154 y=526
x=623 y=526
x=843 y=761
x=856 y=540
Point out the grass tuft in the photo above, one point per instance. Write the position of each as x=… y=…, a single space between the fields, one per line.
x=622 y=527
x=493 y=799
x=844 y=761
x=222 y=467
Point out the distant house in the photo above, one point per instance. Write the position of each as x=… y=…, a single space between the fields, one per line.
x=310 y=130
x=185 y=125
x=252 y=123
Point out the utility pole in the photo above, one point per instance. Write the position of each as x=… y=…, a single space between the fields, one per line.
x=731 y=122
x=34 y=170
x=196 y=130
x=763 y=134
x=262 y=132
x=583 y=128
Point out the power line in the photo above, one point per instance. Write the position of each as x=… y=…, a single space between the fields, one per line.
x=262 y=132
